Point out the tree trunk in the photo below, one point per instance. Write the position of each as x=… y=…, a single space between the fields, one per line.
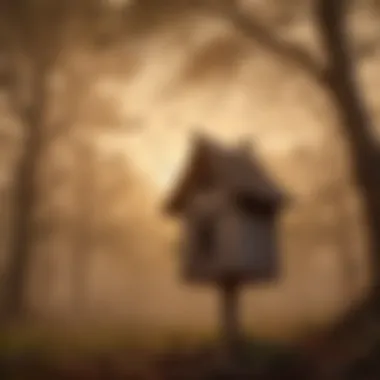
x=355 y=119
x=356 y=329
x=24 y=201
x=85 y=192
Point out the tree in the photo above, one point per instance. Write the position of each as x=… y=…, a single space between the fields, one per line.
x=341 y=81
x=36 y=32
x=338 y=77
x=25 y=39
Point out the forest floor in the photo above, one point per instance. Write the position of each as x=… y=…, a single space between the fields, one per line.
x=43 y=353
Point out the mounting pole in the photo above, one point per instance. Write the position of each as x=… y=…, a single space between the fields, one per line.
x=230 y=322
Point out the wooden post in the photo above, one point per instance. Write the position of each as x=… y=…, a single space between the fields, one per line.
x=230 y=322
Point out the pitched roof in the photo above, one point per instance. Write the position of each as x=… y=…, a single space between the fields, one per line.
x=235 y=170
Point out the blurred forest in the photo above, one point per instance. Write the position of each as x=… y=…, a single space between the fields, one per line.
x=98 y=102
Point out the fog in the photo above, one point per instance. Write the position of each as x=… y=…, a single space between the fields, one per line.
x=133 y=109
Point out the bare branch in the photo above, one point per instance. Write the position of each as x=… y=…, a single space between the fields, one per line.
x=367 y=48
x=285 y=50
x=332 y=25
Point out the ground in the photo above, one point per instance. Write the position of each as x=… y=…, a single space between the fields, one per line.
x=40 y=353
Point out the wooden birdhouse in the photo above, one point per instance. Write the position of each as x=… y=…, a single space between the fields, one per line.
x=228 y=207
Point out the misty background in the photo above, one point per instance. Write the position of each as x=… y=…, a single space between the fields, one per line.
x=125 y=85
